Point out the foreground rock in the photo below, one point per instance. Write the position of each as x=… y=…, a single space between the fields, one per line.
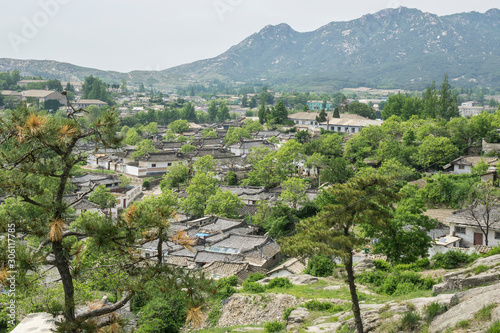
x=467 y=304
x=470 y=277
x=296 y=318
x=244 y=309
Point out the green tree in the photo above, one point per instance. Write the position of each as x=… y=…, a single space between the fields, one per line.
x=223 y=112
x=336 y=113
x=361 y=109
x=187 y=149
x=278 y=114
x=405 y=237
x=54 y=84
x=360 y=203
x=132 y=138
x=321 y=117
x=94 y=88
x=231 y=178
x=102 y=197
x=175 y=176
x=179 y=126
x=207 y=133
x=169 y=136
x=447 y=104
x=435 y=150
x=204 y=164
x=224 y=204
x=166 y=314
x=235 y=134
x=244 y=101
x=151 y=128
x=253 y=102
x=212 y=111
x=262 y=113
x=188 y=112
x=202 y=187
x=145 y=146
x=302 y=136
x=294 y=191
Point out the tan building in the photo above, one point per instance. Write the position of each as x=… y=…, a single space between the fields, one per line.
x=42 y=96
x=84 y=103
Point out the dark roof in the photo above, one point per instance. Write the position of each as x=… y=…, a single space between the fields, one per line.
x=465 y=217
x=163 y=156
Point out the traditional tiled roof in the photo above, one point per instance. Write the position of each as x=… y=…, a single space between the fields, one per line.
x=465 y=217
x=292 y=265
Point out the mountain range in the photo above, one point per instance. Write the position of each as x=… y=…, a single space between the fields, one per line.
x=393 y=48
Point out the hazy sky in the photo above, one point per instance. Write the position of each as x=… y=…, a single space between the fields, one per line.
x=124 y=35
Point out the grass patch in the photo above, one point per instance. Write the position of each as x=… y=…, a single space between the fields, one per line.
x=287 y=312
x=485 y=313
x=434 y=309
x=315 y=305
x=274 y=327
x=410 y=321
x=480 y=269
x=463 y=324
x=494 y=328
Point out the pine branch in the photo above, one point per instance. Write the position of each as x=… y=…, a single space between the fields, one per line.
x=105 y=309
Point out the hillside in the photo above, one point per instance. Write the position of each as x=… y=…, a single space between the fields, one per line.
x=393 y=48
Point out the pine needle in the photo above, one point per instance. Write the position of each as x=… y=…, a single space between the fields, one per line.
x=56 y=230
x=196 y=317
x=182 y=238
x=4 y=274
x=35 y=123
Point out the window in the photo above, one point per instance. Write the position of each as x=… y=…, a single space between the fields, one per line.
x=461 y=167
x=339 y=129
x=497 y=235
x=169 y=164
x=460 y=230
x=153 y=165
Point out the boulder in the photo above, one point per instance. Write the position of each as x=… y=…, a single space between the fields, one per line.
x=302 y=279
x=296 y=318
x=469 y=302
x=364 y=265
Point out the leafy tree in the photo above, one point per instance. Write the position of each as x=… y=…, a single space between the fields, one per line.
x=336 y=112
x=294 y=191
x=145 y=146
x=204 y=164
x=188 y=112
x=235 y=134
x=187 y=149
x=102 y=197
x=175 y=176
x=231 y=178
x=202 y=187
x=253 y=102
x=179 y=126
x=262 y=113
x=182 y=138
x=223 y=112
x=208 y=133
x=435 y=150
x=336 y=170
x=252 y=126
x=151 y=128
x=165 y=314
x=360 y=203
x=93 y=113
x=404 y=238
x=169 y=135
x=278 y=114
x=302 y=136
x=244 y=101
x=94 y=88
x=447 y=105
x=224 y=204
x=54 y=84
x=212 y=111
x=361 y=109
x=321 y=117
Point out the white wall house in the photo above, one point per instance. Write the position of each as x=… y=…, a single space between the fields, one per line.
x=152 y=164
x=464 y=164
x=350 y=123
x=463 y=225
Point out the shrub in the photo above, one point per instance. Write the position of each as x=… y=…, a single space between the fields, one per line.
x=410 y=321
x=230 y=281
x=253 y=287
x=396 y=282
x=320 y=266
x=279 y=282
x=255 y=277
x=434 y=309
x=165 y=314
x=452 y=259
x=481 y=268
x=146 y=184
x=463 y=324
x=416 y=266
x=214 y=315
x=274 y=326
x=315 y=305
x=382 y=265
x=287 y=312
x=494 y=328
x=493 y=251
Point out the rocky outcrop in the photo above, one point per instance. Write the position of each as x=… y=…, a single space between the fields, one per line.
x=364 y=265
x=244 y=309
x=297 y=279
x=467 y=304
x=296 y=318
x=467 y=278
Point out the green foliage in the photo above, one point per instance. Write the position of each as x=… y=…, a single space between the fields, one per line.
x=132 y=137
x=279 y=282
x=187 y=148
x=235 y=134
x=163 y=314
x=94 y=88
x=255 y=277
x=146 y=183
x=315 y=305
x=414 y=266
x=202 y=187
x=204 y=164
x=448 y=190
x=274 y=327
x=294 y=191
x=179 y=126
x=382 y=265
x=224 y=204
x=231 y=178
x=452 y=259
x=480 y=269
x=434 y=309
x=320 y=266
x=214 y=314
x=493 y=251
x=102 y=197
x=253 y=287
x=410 y=321
x=494 y=328
x=145 y=146
x=287 y=312
x=396 y=283
x=277 y=221
x=484 y=314
x=175 y=176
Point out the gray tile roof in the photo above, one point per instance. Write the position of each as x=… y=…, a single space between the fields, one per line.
x=464 y=217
